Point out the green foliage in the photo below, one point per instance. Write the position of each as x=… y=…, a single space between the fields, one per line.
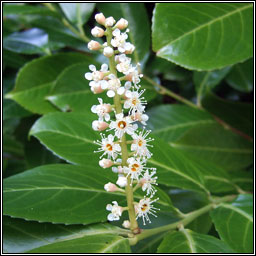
x=198 y=78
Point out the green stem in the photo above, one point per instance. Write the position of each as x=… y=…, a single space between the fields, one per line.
x=168 y=92
x=189 y=217
x=118 y=107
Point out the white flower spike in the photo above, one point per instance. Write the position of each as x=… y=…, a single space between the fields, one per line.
x=119 y=118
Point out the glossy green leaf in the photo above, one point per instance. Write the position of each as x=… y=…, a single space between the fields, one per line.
x=241 y=76
x=31 y=41
x=78 y=97
x=234 y=223
x=244 y=179
x=187 y=241
x=215 y=144
x=36 y=79
x=13 y=60
x=11 y=109
x=170 y=122
x=77 y=13
x=26 y=9
x=203 y=36
x=41 y=194
x=58 y=33
x=20 y=236
x=206 y=80
x=12 y=146
x=238 y=115
x=136 y=15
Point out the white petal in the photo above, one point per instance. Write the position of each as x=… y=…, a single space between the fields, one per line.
x=116 y=32
x=127 y=104
x=128 y=94
x=88 y=76
x=120 y=116
x=144 y=117
x=120 y=90
x=92 y=67
x=110 y=138
x=103 y=84
x=94 y=109
x=104 y=67
x=115 y=203
x=117 y=148
x=111 y=217
x=128 y=85
x=107 y=117
x=134 y=147
x=109 y=207
x=111 y=94
x=112 y=76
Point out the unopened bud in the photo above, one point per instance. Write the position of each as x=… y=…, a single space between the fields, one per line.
x=108 y=51
x=94 y=45
x=99 y=126
x=100 y=18
x=122 y=181
x=107 y=108
x=110 y=21
x=126 y=224
x=96 y=88
x=105 y=163
x=110 y=187
x=122 y=24
x=97 y=32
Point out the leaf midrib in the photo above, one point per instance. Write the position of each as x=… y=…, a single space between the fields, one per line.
x=204 y=25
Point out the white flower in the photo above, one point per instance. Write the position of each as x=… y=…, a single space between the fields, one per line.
x=140 y=144
x=105 y=163
x=147 y=180
x=124 y=65
x=122 y=181
x=145 y=207
x=122 y=24
x=143 y=118
x=99 y=125
x=102 y=110
x=108 y=146
x=110 y=187
x=134 y=76
x=116 y=211
x=129 y=48
x=135 y=168
x=119 y=40
x=118 y=169
x=108 y=51
x=114 y=85
x=97 y=32
x=122 y=125
x=135 y=102
x=110 y=21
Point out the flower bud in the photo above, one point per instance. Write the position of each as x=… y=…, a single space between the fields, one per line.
x=94 y=45
x=105 y=163
x=100 y=18
x=110 y=21
x=96 y=88
x=122 y=181
x=108 y=51
x=126 y=224
x=99 y=126
x=122 y=24
x=97 y=32
x=110 y=187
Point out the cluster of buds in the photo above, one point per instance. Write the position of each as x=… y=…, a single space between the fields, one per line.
x=121 y=82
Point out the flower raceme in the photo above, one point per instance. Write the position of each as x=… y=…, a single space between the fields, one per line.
x=120 y=80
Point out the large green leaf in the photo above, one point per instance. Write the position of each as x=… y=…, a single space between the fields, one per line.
x=77 y=13
x=36 y=79
x=203 y=36
x=20 y=236
x=41 y=194
x=234 y=223
x=206 y=80
x=241 y=76
x=31 y=41
x=26 y=9
x=136 y=15
x=187 y=241
x=238 y=115
x=11 y=109
x=13 y=60
x=215 y=144
x=171 y=121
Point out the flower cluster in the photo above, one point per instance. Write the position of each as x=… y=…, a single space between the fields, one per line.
x=120 y=80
